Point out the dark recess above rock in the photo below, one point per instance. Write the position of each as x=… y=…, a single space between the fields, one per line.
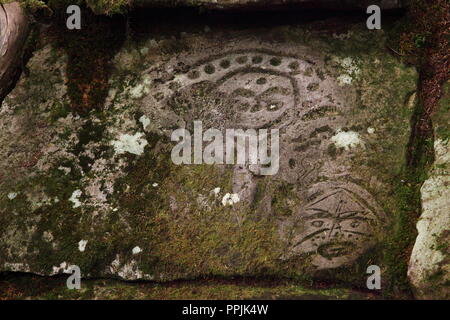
x=226 y=4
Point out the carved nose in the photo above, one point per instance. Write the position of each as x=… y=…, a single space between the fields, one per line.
x=335 y=231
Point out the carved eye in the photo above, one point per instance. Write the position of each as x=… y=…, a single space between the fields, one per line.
x=355 y=224
x=317 y=223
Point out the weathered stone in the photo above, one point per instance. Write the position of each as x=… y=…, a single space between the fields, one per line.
x=429 y=267
x=108 y=178
x=13 y=33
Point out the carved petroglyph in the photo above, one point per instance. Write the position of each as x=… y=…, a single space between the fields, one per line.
x=259 y=88
x=249 y=88
x=339 y=222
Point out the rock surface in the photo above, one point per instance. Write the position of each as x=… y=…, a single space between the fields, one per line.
x=429 y=267
x=88 y=190
x=13 y=34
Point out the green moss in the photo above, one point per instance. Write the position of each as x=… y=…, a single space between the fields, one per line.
x=135 y=192
x=59 y=110
x=184 y=225
x=441 y=118
x=403 y=232
x=89 y=132
x=283 y=200
x=260 y=191
x=108 y=7
x=22 y=287
x=47 y=217
x=332 y=151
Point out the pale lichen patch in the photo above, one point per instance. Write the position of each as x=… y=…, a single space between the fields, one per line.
x=12 y=195
x=343 y=36
x=47 y=236
x=74 y=198
x=64 y=267
x=347 y=139
x=230 y=199
x=134 y=144
x=145 y=121
x=82 y=245
x=344 y=79
x=128 y=271
x=16 y=267
x=136 y=250
x=65 y=170
x=141 y=89
x=350 y=70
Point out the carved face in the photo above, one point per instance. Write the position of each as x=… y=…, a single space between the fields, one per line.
x=337 y=225
x=248 y=88
x=257 y=95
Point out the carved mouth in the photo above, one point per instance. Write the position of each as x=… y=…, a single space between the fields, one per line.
x=335 y=249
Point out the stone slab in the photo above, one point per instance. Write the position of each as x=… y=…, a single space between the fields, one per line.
x=101 y=192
